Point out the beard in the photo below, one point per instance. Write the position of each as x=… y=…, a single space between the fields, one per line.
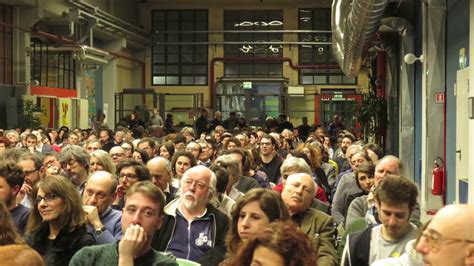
x=189 y=203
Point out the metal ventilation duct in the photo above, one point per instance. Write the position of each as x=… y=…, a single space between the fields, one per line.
x=354 y=24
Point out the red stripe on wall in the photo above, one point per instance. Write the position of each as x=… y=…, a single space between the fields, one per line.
x=57 y=92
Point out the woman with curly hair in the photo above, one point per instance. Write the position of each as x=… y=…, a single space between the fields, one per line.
x=251 y=214
x=57 y=227
x=279 y=244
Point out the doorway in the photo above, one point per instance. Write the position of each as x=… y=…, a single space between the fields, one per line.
x=342 y=103
x=253 y=100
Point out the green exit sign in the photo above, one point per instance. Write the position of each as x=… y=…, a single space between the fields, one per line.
x=247 y=85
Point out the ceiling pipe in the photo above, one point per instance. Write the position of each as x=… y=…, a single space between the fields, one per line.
x=354 y=24
x=288 y=60
x=63 y=40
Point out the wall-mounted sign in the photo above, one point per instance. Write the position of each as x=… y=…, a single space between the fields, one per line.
x=247 y=85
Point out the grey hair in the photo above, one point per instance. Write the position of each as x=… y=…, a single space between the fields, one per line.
x=198 y=168
x=74 y=152
x=392 y=158
x=229 y=163
x=296 y=164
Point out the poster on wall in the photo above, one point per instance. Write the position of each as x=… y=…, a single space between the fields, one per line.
x=83 y=117
x=65 y=112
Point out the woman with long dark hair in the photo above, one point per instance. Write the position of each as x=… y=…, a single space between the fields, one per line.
x=57 y=225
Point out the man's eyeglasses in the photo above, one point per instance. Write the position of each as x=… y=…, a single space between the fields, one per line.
x=128 y=176
x=27 y=173
x=117 y=154
x=265 y=143
x=199 y=185
x=48 y=197
x=435 y=240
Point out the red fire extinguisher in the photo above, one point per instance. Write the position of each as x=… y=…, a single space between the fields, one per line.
x=438 y=178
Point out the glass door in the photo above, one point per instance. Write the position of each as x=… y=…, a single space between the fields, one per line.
x=255 y=103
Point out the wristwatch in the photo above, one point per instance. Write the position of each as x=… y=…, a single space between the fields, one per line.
x=100 y=230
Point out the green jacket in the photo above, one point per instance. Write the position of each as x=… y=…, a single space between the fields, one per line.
x=320 y=229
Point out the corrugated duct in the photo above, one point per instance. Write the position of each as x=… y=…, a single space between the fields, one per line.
x=354 y=24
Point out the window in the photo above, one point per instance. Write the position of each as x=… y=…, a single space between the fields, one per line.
x=247 y=20
x=6 y=45
x=318 y=19
x=51 y=67
x=184 y=64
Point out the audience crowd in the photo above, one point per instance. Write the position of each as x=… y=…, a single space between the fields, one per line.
x=218 y=193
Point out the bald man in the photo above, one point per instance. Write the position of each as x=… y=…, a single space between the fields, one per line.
x=298 y=196
x=449 y=238
x=160 y=172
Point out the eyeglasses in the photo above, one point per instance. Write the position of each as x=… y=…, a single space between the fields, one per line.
x=199 y=185
x=48 y=197
x=128 y=176
x=117 y=154
x=265 y=143
x=192 y=149
x=27 y=173
x=435 y=240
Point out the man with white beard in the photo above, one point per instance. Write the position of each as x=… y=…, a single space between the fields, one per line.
x=192 y=227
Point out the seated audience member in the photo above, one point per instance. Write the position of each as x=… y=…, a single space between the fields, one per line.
x=75 y=162
x=117 y=153
x=31 y=165
x=92 y=145
x=8 y=231
x=20 y=255
x=449 y=238
x=127 y=146
x=142 y=216
x=411 y=257
x=103 y=221
x=364 y=206
x=205 y=155
x=347 y=186
x=57 y=227
x=232 y=167
x=364 y=177
x=194 y=148
x=247 y=182
x=180 y=163
x=298 y=196
x=101 y=161
x=192 y=226
x=160 y=173
x=221 y=201
x=51 y=164
x=395 y=199
x=129 y=172
x=166 y=150
x=252 y=213
x=140 y=156
x=279 y=244
x=148 y=145
x=294 y=165
x=11 y=180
